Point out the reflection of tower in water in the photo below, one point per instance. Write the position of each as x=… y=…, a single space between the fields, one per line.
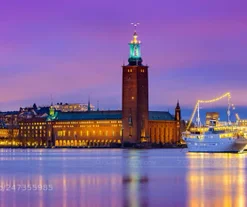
x=220 y=177
x=135 y=184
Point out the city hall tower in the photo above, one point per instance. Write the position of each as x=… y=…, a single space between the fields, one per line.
x=135 y=96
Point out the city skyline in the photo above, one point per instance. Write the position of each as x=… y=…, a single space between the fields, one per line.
x=64 y=51
x=123 y=103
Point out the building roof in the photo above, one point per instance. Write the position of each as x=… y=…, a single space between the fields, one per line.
x=91 y=115
x=9 y=113
x=107 y=115
x=160 y=115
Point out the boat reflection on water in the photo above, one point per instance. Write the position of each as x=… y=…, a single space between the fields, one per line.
x=216 y=180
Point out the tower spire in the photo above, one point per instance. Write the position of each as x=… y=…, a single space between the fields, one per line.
x=135 y=34
x=51 y=100
x=88 y=104
x=97 y=105
x=135 y=48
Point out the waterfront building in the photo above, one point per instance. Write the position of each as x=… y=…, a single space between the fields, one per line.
x=75 y=125
x=34 y=132
x=9 y=137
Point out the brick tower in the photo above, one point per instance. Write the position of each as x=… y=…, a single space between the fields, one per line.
x=135 y=96
x=178 y=121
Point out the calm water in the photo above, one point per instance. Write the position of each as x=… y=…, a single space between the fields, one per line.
x=115 y=177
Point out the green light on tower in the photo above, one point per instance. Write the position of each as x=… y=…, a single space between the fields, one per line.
x=52 y=111
x=135 y=49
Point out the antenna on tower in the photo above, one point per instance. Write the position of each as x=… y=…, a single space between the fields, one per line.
x=88 y=104
x=135 y=24
x=51 y=100
x=97 y=105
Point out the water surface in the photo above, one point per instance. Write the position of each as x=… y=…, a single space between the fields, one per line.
x=116 y=177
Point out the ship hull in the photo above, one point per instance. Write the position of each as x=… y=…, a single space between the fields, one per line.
x=214 y=145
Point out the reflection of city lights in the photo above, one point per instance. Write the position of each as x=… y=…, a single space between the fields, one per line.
x=221 y=175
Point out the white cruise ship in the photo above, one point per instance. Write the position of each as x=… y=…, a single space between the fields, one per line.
x=214 y=141
x=217 y=137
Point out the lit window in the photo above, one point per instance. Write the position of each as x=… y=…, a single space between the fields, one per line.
x=60 y=133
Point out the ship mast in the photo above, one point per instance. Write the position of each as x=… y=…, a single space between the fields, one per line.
x=198 y=115
x=197 y=109
x=228 y=110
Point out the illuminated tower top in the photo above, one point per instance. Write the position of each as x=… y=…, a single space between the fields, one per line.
x=135 y=49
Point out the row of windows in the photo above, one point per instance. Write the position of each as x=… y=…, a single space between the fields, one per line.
x=33 y=131
x=32 y=123
x=85 y=126
x=162 y=132
x=88 y=122
x=34 y=135
x=64 y=133
x=84 y=142
x=130 y=70
x=33 y=127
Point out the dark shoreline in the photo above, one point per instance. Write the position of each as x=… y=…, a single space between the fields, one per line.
x=93 y=147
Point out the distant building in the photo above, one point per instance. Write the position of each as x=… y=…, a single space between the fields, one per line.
x=212 y=116
x=33 y=112
x=73 y=107
x=9 y=119
x=10 y=123
x=34 y=132
x=242 y=122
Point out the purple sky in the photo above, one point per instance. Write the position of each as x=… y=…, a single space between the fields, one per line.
x=72 y=48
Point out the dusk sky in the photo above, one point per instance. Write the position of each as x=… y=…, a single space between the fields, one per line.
x=73 y=48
